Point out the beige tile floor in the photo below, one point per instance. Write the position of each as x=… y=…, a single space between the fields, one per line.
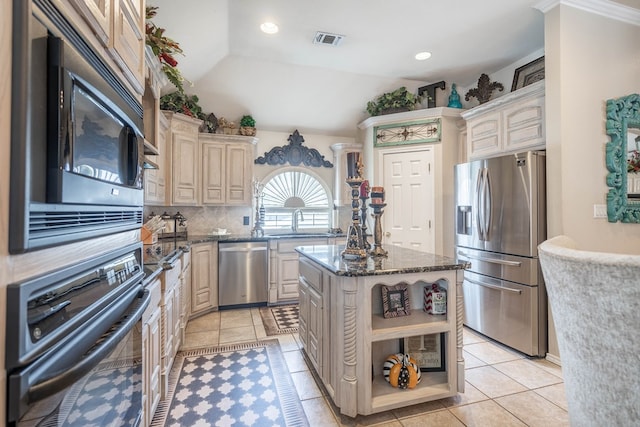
x=503 y=387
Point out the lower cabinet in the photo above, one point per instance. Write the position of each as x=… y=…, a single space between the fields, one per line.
x=204 y=277
x=151 y=348
x=170 y=312
x=283 y=261
x=311 y=314
x=346 y=337
x=185 y=281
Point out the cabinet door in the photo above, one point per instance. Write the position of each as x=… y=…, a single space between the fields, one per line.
x=204 y=277
x=238 y=174
x=177 y=317
x=314 y=326
x=523 y=125
x=97 y=14
x=484 y=138
x=128 y=40
x=288 y=277
x=184 y=155
x=303 y=312
x=167 y=332
x=213 y=173
x=152 y=364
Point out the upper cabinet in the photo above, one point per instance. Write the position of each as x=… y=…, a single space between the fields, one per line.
x=227 y=168
x=117 y=27
x=182 y=159
x=514 y=122
x=197 y=169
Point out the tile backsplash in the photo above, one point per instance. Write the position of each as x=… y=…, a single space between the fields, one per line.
x=204 y=219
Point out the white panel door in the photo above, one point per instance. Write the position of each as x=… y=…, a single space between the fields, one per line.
x=408 y=219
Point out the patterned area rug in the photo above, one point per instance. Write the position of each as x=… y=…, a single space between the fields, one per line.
x=238 y=385
x=282 y=319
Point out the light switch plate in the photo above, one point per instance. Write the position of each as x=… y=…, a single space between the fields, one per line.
x=599 y=211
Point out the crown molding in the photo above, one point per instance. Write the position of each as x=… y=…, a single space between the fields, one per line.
x=606 y=8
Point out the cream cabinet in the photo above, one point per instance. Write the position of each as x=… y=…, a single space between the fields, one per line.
x=182 y=159
x=155 y=187
x=227 y=169
x=170 y=315
x=508 y=124
x=116 y=28
x=151 y=346
x=347 y=338
x=204 y=277
x=283 y=267
x=185 y=302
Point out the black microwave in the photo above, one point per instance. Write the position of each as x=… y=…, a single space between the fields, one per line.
x=77 y=142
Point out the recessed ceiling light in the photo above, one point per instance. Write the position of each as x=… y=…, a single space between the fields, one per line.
x=269 y=28
x=421 y=56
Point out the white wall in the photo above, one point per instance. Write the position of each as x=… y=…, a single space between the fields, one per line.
x=589 y=59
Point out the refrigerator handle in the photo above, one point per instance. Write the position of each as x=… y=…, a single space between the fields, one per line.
x=479 y=203
x=487 y=204
x=497 y=288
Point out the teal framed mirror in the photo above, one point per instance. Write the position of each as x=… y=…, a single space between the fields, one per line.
x=623 y=159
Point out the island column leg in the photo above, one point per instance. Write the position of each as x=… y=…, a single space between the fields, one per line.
x=349 y=381
x=459 y=321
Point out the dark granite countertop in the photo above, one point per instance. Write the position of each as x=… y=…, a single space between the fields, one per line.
x=399 y=260
x=162 y=252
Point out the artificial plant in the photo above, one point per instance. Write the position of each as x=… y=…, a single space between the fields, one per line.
x=398 y=100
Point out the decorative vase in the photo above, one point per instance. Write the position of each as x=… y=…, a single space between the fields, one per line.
x=454 y=98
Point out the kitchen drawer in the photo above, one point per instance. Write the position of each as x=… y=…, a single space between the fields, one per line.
x=509 y=267
x=172 y=276
x=155 y=297
x=311 y=274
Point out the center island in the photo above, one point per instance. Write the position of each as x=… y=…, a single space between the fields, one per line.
x=347 y=332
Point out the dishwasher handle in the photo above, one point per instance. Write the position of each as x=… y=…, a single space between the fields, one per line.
x=242 y=249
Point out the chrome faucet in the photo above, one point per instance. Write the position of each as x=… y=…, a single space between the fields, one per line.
x=294 y=219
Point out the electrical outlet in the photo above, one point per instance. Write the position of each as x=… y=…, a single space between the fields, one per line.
x=245 y=220
x=599 y=211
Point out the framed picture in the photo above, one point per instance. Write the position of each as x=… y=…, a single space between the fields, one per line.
x=427 y=350
x=528 y=73
x=395 y=301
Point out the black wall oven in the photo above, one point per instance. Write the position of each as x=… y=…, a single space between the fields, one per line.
x=74 y=344
x=77 y=145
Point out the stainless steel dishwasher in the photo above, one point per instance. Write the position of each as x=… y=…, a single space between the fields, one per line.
x=242 y=273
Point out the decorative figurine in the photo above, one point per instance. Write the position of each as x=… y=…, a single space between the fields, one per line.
x=484 y=89
x=454 y=98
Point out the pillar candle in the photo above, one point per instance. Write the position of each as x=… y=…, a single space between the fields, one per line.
x=364 y=189
x=377 y=192
x=353 y=159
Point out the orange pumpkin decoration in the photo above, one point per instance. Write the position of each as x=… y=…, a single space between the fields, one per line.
x=401 y=371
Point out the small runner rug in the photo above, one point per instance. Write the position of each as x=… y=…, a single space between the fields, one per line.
x=237 y=385
x=282 y=319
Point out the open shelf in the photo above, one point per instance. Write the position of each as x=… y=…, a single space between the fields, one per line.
x=417 y=323
x=434 y=385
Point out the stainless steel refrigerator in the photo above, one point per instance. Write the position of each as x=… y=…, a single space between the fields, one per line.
x=500 y=220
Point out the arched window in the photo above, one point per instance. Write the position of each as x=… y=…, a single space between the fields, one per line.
x=295 y=191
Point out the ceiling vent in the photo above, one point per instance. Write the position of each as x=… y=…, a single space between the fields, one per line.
x=328 y=38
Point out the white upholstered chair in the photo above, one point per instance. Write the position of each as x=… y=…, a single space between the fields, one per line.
x=595 y=301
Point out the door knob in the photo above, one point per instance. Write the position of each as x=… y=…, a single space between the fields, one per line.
x=387 y=234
